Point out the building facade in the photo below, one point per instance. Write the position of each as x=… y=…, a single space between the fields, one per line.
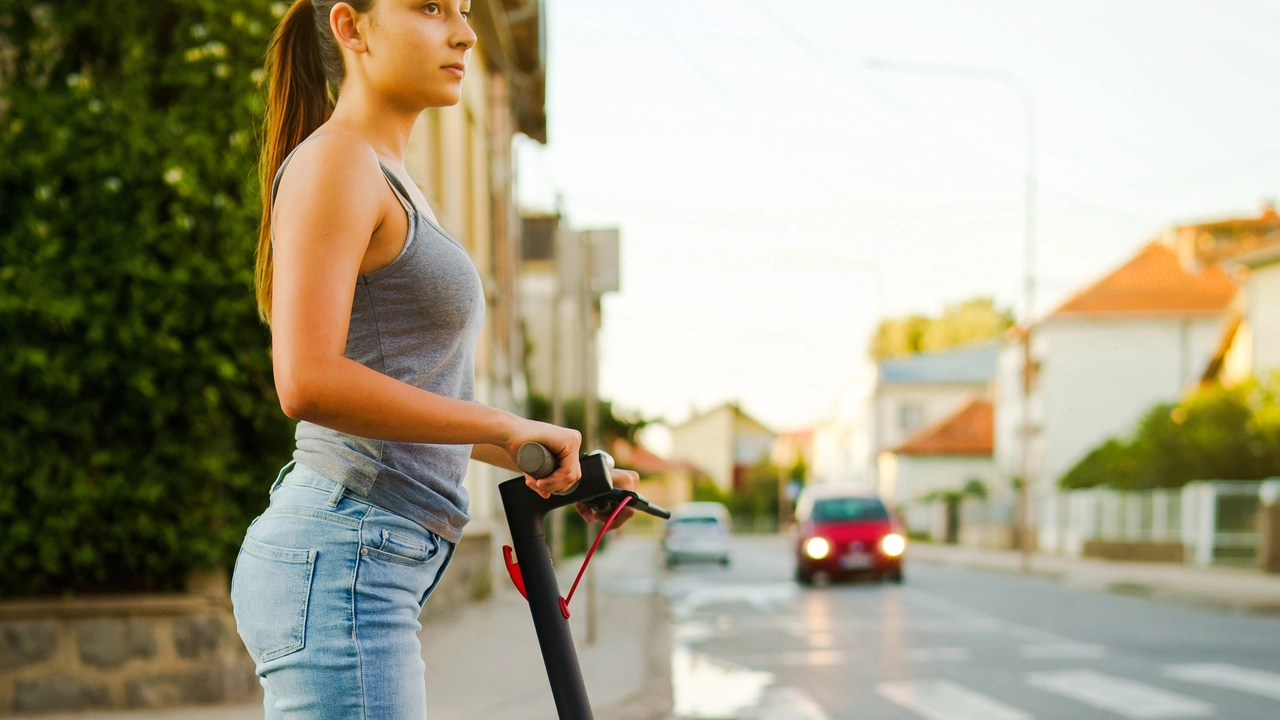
x=892 y=400
x=724 y=443
x=1141 y=335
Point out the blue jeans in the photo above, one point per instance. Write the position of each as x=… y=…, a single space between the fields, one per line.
x=326 y=592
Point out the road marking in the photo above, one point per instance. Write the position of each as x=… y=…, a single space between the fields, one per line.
x=936 y=654
x=814 y=658
x=763 y=598
x=802 y=658
x=1232 y=677
x=784 y=703
x=707 y=687
x=1129 y=698
x=1070 y=651
x=945 y=700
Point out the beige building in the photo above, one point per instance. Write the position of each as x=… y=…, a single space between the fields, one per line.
x=724 y=443
x=461 y=158
x=553 y=283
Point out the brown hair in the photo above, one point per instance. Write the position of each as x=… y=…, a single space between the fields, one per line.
x=305 y=69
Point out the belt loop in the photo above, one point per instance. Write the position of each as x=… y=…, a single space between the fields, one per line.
x=336 y=496
x=280 y=478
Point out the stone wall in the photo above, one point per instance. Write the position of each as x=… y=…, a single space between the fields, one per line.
x=137 y=651
x=146 y=651
x=1167 y=552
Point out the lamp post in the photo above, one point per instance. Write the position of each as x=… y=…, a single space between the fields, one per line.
x=1014 y=83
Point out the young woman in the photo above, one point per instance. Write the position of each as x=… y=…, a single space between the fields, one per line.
x=374 y=312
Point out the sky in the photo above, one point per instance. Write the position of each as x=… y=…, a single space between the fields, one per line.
x=778 y=190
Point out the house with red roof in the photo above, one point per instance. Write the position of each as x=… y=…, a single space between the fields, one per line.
x=1142 y=334
x=943 y=459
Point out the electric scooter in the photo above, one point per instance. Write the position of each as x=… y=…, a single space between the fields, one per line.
x=533 y=575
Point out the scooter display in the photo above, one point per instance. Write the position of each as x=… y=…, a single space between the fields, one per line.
x=531 y=570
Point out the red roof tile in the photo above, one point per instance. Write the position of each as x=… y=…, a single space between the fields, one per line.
x=1154 y=282
x=970 y=431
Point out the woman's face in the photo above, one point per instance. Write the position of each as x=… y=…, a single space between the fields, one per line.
x=416 y=51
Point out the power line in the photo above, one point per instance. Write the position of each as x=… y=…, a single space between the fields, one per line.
x=888 y=98
x=685 y=54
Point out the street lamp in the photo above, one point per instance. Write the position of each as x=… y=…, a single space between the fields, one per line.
x=1014 y=83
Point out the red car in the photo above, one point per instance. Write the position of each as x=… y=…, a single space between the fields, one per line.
x=842 y=532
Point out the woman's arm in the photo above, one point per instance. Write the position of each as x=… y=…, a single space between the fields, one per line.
x=331 y=201
x=493 y=455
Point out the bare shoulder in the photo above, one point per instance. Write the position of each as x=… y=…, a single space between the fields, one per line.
x=331 y=173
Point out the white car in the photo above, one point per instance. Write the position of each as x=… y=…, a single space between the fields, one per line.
x=697 y=531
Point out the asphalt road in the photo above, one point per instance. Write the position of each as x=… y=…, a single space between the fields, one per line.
x=953 y=644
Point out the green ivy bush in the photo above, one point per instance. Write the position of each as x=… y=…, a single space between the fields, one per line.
x=1216 y=433
x=139 y=428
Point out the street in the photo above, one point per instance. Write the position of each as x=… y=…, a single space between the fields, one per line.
x=952 y=644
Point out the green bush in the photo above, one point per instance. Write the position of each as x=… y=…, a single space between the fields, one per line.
x=1215 y=434
x=139 y=427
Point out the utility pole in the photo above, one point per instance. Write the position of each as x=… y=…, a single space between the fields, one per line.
x=557 y=389
x=591 y=416
x=1026 y=427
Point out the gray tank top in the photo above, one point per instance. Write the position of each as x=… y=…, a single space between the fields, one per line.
x=416 y=320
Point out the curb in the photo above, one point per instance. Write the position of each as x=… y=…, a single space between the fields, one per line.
x=1156 y=591
x=654 y=700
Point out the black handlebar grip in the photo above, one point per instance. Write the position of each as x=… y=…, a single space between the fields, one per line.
x=535 y=460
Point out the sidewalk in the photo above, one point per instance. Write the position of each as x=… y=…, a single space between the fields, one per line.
x=483 y=662
x=1222 y=588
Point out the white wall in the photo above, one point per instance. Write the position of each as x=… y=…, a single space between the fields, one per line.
x=1007 y=399
x=841 y=445
x=1264 y=318
x=907 y=478
x=1098 y=377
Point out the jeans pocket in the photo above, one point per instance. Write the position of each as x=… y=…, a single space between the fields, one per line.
x=405 y=548
x=270 y=592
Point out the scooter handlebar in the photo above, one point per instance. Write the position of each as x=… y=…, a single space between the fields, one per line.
x=536 y=461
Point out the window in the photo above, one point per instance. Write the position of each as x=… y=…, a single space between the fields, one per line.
x=910 y=417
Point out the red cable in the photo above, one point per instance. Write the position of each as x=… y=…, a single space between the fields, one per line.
x=564 y=602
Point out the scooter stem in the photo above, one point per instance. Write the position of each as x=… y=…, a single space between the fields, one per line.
x=526 y=510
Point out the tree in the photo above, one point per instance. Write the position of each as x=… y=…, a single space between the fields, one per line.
x=138 y=422
x=965 y=323
x=1216 y=433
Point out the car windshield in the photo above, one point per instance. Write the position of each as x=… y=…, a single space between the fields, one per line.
x=841 y=509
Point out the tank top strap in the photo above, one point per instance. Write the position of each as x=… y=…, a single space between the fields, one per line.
x=275 y=182
x=410 y=207
x=398 y=188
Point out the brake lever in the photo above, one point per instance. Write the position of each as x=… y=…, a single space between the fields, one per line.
x=605 y=504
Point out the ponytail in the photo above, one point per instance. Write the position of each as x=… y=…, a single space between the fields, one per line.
x=304 y=66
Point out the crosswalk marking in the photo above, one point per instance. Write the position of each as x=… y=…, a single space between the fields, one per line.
x=945 y=700
x=936 y=654
x=1129 y=698
x=784 y=703
x=1070 y=651
x=813 y=658
x=1233 y=677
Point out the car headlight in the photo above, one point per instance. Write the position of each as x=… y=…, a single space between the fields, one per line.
x=817 y=548
x=892 y=544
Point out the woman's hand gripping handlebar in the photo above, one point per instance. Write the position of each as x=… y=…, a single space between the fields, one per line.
x=538 y=462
